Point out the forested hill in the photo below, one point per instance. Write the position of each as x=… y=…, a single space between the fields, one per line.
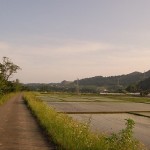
x=112 y=83
x=121 y=80
x=145 y=84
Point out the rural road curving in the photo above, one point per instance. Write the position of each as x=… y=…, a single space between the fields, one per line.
x=19 y=129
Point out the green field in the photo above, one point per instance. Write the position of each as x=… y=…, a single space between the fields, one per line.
x=65 y=97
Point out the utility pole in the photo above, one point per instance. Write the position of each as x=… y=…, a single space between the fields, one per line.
x=144 y=75
x=78 y=86
x=118 y=82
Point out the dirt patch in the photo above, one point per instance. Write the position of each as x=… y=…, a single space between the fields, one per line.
x=19 y=129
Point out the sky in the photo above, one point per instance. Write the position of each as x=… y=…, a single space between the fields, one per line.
x=56 y=40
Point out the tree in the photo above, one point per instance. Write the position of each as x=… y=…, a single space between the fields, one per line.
x=7 y=69
x=132 y=88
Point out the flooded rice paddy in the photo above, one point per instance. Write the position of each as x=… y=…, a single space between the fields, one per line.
x=110 y=123
x=104 y=114
x=99 y=107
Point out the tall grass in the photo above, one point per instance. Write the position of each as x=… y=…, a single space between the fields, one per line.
x=4 y=98
x=71 y=135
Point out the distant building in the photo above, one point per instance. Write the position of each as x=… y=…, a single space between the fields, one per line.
x=104 y=91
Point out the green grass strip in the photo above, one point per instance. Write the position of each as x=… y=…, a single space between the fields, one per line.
x=71 y=135
x=4 y=98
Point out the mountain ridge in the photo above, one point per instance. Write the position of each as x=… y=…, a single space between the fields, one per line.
x=115 y=81
x=94 y=84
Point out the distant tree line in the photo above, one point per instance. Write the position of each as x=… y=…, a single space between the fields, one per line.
x=143 y=87
x=133 y=82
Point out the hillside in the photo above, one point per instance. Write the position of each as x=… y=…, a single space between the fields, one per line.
x=145 y=84
x=114 y=81
x=93 y=84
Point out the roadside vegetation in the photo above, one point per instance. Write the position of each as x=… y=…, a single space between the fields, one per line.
x=72 y=135
x=6 y=97
x=7 y=69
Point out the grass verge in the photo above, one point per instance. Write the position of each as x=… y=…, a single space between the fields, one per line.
x=71 y=135
x=4 y=98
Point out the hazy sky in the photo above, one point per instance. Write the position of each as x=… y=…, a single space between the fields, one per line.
x=55 y=40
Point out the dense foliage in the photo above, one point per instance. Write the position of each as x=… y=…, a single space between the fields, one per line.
x=7 y=69
x=143 y=87
x=122 y=80
x=145 y=84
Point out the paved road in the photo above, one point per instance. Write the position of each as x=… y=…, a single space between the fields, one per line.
x=18 y=128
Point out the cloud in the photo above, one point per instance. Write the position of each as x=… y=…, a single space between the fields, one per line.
x=82 y=47
x=4 y=45
x=69 y=50
x=68 y=59
x=60 y=50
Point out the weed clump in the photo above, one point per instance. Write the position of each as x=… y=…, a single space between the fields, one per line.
x=124 y=140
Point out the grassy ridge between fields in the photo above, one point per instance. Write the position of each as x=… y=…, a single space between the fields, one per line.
x=128 y=98
x=4 y=98
x=71 y=135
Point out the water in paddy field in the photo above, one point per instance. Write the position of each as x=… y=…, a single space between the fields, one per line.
x=109 y=123
x=99 y=107
x=105 y=114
